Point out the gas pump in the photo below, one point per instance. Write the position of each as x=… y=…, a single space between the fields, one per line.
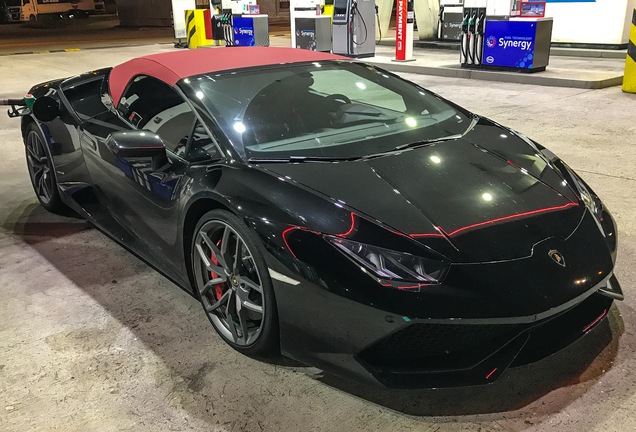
x=472 y=36
x=354 y=28
x=303 y=9
x=495 y=34
x=449 y=22
x=240 y=26
x=222 y=28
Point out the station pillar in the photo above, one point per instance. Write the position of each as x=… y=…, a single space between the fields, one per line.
x=629 y=80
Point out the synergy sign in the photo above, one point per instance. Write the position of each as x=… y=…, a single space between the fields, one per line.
x=243 y=31
x=509 y=44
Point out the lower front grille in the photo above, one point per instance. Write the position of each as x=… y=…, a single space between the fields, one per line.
x=437 y=347
x=446 y=355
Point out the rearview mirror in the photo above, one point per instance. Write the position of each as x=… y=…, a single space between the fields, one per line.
x=46 y=109
x=138 y=144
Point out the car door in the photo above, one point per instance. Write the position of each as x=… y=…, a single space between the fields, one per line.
x=142 y=198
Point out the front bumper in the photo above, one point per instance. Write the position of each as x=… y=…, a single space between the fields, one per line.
x=372 y=346
x=447 y=355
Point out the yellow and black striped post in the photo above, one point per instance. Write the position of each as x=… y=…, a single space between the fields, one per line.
x=629 y=80
x=195 y=28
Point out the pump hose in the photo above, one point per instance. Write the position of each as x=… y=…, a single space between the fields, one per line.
x=471 y=44
x=366 y=31
x=480 y=39
x=227 y=30
x=464 y=42
x=15 y=102
x=462 y=47
x=377 y=15
x=477 y=39
x=479 y=48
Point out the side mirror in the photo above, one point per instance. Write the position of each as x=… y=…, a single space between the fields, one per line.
x=138 y=144
x=46 y=109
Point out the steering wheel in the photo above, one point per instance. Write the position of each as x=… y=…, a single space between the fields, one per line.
x=338 y=97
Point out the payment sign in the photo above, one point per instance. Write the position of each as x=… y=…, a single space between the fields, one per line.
x=510 y=43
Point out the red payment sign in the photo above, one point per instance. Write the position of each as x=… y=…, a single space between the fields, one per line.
x=400 y=30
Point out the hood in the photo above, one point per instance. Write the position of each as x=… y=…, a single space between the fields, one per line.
x=462 y=198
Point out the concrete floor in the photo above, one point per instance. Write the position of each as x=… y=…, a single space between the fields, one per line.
x=92 y=339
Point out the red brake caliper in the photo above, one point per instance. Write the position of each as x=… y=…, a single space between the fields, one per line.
x=218 y=288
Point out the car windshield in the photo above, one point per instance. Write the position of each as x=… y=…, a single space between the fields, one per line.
x=326 y=110
x=14 y=3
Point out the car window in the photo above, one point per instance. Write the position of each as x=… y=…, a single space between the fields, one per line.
x=201 y=146
x=152 y=105
x=328 y=109
x=85 y=98
x=356 y=88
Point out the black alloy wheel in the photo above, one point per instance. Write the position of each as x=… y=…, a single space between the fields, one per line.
x=41 y=170
x=233 y=283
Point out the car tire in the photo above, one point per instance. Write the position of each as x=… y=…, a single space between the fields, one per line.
x=32 y=17
x=41 y=170
x=240 y=305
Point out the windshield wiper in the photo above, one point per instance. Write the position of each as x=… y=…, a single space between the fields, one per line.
x=474 y=121
x=298 y=159
x=427 y=142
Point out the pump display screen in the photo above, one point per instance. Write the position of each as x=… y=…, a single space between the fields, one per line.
x=329 y=109
x=340 y=7
x=533 y=9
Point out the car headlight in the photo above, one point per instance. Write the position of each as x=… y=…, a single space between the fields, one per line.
x=591 y=201
x=392 y=265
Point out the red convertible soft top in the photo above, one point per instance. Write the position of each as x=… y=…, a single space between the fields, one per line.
x=173 y=66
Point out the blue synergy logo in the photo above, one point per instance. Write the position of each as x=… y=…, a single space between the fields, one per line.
x=510 y=44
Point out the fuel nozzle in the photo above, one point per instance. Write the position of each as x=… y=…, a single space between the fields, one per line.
x=465 y=24
x=481 y=23
x=29 y=100
x=471 y=23
x=19 y=107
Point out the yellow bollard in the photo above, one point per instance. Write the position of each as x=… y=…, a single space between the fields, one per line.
x=195 y=26
x=629 y=80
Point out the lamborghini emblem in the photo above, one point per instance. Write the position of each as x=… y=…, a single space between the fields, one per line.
x=557 y=257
